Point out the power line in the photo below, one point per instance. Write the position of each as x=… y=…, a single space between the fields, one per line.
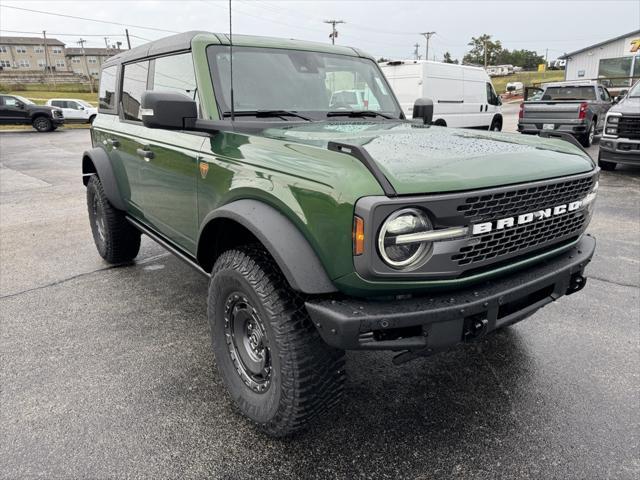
x=87 y=19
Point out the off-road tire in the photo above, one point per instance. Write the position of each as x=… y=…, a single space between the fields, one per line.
x=42 y=124
x=307 y=376
x=604 y=165
x=116 y=239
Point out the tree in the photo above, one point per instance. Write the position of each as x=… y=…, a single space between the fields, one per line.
x=448 y=59
x=477 y=53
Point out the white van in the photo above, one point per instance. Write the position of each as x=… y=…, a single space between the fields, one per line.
x=462 y=96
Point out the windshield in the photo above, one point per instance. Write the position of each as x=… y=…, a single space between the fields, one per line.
x=635 y=90
x=24 y=100
x=310 y=83
x=569 y=93
x=83 y=103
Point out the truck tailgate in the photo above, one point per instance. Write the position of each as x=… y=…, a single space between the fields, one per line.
x=551 y=112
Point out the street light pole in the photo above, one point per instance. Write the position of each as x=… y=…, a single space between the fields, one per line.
x=334 y=32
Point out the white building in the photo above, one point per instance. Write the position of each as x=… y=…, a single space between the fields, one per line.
x=615 y=62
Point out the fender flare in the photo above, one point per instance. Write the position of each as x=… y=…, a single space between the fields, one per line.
x=283 y=240
x=103 y=168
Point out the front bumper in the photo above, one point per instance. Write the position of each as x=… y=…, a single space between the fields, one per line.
x=574 y=127
x=620 y=150
x=436 y=322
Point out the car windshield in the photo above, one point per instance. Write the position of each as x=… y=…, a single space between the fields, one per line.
x=310 y=83
x=635 y=91
x=24 y=100
x=569 y=93
x=84 y=104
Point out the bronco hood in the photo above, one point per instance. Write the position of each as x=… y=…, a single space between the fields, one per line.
x=427 y=159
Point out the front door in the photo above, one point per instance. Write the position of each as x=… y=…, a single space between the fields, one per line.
x=12 y=110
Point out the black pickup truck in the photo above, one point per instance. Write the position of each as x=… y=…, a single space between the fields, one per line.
x=16 y=110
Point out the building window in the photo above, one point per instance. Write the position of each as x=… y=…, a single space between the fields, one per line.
x=615 y=72
x=5 y=64
x=94 y=73
x=42 y=63
x=60 y=63
x=38 y=49
x=75 y=60
x=56 y=50
x=92 y=60
x=24 y=64
x=3 y=49
x=21 y=49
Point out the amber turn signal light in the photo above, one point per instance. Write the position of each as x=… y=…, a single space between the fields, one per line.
x=358 y=236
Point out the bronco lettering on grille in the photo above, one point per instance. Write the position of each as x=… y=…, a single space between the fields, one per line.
x=501 y=224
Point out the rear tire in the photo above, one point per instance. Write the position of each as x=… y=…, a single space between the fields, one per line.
x=587 y=139
x=116 y=239
x=604 y=165
x=276 y=367
x=496 y=125
x=42 y=124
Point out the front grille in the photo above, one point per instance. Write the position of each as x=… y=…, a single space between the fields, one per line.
x=522 y=238
x=629 y=127
x=517 y=201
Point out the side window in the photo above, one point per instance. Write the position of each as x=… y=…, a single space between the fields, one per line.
x=134 y=83
x=175 y=74
x=11 y=102
x=107 y=93
x=492 y=97
x=72 y=105
x=57 y=103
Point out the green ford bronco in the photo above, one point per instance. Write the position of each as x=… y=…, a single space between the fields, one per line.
x=325 y=226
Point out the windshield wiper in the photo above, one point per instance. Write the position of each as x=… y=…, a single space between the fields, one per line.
x=267 y=114
x=357 y=113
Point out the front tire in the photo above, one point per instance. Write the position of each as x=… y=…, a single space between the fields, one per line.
x=604 y=165
x=277 y=369
x=496 y=125
x=42 y=124
x=116 y=239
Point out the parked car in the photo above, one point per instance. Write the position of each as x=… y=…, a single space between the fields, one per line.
x=354 y=99
x=74 y=110
x=322 y=230
x=621 y=138
x=462 y=96
x=514 y=87
x=17 y=110
x=577 y=108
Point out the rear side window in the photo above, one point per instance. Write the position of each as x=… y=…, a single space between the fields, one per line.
x=569 y=93
x=58 y=103
x=107 y=93
x=134 y=83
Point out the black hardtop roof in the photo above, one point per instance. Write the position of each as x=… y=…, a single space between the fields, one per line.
x=182 y=41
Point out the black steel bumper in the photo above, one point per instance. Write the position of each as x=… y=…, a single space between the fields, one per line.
x=436 y=322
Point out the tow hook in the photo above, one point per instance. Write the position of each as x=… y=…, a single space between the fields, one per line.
x=474 y=327
x=576 y=283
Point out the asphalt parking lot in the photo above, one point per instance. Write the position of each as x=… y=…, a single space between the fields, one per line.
x=107 y=372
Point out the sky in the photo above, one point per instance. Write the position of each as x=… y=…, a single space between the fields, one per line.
x=380 y=27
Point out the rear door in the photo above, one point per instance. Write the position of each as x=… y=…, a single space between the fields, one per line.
x=407 y=83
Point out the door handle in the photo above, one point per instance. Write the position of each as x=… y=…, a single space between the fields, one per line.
x=111 y=142
x=145 y=153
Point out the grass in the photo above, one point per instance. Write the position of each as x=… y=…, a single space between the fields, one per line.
x=527 y=78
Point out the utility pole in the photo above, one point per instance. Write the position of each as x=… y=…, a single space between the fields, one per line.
x=415 y=51
x=484 y=48
x=106 y=44
x=427 y=35
x=81 y=42
x=334 y=32
x=126 y=31
x=47 y=62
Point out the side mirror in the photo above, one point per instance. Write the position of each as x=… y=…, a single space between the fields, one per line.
x=167 y=110
x=423 y=108
x=20 y=105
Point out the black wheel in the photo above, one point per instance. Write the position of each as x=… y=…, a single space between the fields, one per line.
x=116 y=239
x=587 y=139
x=604 y=165
x=496 y=125
x=42 y=124
x=440 y=123
x=277 y=369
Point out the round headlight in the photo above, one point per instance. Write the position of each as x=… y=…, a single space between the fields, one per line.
x=395 y=249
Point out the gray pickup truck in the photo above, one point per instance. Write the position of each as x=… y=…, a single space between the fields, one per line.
x=577 y=108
